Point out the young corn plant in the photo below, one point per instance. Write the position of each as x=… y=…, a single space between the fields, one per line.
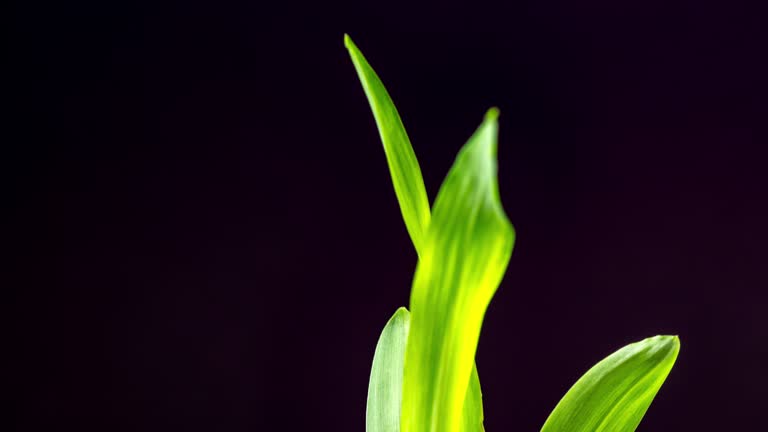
x=424 y=377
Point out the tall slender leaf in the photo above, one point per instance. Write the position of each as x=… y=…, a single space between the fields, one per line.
x=412 y=197
x=614 y=395
x=406 y=175
x=468 y=245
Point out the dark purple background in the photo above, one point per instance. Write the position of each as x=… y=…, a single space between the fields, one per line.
x=206 y=238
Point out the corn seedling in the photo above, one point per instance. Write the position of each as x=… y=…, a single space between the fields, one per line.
x=424 y=377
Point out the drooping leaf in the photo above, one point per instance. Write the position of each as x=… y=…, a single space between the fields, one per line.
x=406 y=174
x=467 y=247
x=614 y=395
x=385 y=387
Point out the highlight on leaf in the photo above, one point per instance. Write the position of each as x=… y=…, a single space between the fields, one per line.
x=385 y=387
x=411 y=181
x=406 y=174
x=423 y=377
x=467 y=248
x=614 y=395
x=386 y=382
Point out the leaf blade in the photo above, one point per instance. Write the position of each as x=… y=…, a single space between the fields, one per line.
x=472 y=413
x=409 y=188
x=615 y=393
x=385 y=386
x=401 y=159
x=383 y=404
x=468 y=245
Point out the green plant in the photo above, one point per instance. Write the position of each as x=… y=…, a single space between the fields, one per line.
x=423 y=377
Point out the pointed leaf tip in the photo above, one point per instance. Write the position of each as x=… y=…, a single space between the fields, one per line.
x=385 y=383
x=614 y=395
x=383 y=406
x=467 y=247
x=492 y=114
x=401 y=159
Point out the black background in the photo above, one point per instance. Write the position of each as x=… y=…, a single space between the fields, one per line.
x=205 y=236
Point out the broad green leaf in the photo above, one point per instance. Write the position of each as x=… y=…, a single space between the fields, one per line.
x=385 y=387
x=614 y=395
x=386 y=382
x=466 y=250
x=406 y=175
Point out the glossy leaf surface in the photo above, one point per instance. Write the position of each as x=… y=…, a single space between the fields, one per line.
x=472 y=414
x=425 y=381
x=386 y=382
x=409 y=194
x=406 y=174
x=467 y=247
x=614 y=395
x=385 y=387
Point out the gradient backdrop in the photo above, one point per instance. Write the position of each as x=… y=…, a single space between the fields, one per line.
x=205 y=237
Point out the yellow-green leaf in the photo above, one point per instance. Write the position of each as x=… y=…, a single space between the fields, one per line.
x=472 y=414
x=412 y=197
x=385 y=386
x=467 y=247
x=406 y=175
x=614 y=395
